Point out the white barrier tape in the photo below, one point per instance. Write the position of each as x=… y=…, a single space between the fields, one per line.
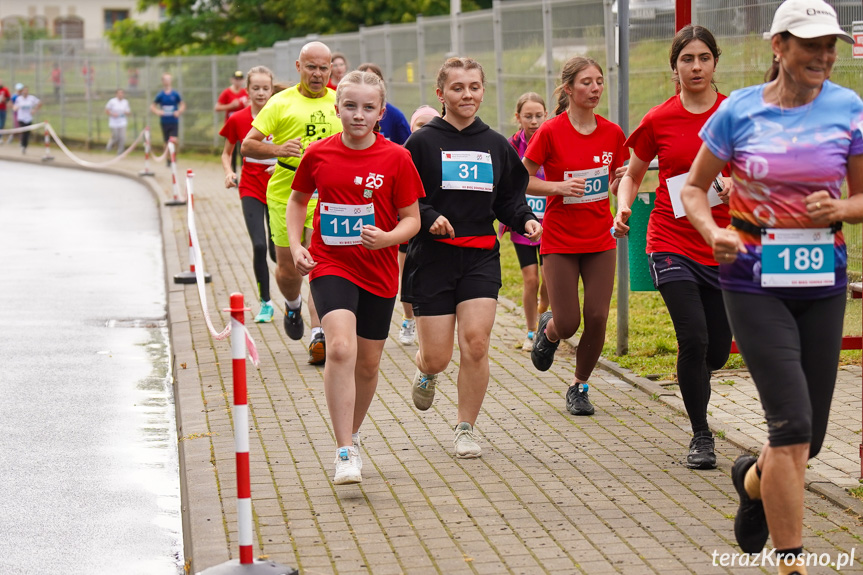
x=202 y=294
x=22 y=130
x=161 y=156
x=85 y=163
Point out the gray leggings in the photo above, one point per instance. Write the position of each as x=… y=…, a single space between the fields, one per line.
x=791 y=348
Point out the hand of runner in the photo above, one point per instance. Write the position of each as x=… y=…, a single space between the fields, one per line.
x=618 y=174
x=291 y=148
x=725 y=193
x=726 y=245
x=231 y=180
x=822 y=208
x=620 y=226
x=533 y=230
x=374 y=238
x=573 y=188
x=442 y=227
x=303 y=260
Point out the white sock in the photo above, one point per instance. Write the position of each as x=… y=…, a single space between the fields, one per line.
x=315 y=331
x=294 y=304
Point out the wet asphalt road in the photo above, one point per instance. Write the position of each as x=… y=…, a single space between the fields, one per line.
x=88 y=463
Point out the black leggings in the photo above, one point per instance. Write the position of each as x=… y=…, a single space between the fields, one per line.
x=258 y=223
x=703 y=342
x=25 y=136
x=791 y=348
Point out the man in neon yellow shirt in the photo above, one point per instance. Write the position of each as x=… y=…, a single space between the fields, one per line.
x=295 y=118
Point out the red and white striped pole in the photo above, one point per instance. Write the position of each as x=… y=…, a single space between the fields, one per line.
x=147 y=171
x=241 y=429
x=190 y=276
x=245 y=536
x=172 y=153
x=47 y=157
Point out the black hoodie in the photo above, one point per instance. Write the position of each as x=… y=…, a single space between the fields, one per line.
x=471 y=213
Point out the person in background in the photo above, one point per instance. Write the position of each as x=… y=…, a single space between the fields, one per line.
x=296 y=118
x=394 y=125
x=681 y=264
x=233 y=99
x=338 y=68
x=530 y=113
x=15 y=93
x=408 y=329
x=169 y=106
x=5 y=96
x=117 y=109
x=783 y=261
x=253 y=184
x=582 y=155
x=57 y=82
x=26 y=105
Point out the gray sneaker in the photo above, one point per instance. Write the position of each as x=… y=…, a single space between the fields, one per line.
x=466 y=446
x=422 y=390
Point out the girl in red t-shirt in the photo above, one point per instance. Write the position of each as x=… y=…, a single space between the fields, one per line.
x=681 y=263
x=581 y=154
x=368 y=189
x=253 y=185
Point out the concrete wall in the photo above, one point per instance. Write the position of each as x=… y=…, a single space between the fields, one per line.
x=92 y=12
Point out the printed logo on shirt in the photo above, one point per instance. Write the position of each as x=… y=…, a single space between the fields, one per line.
x=358 y=180
x=367 y=193
x=318 y=128
x=607 y=157
x=374 y=181
x=596 y=159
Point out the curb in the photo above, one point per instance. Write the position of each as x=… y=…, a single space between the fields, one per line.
x=814 y=482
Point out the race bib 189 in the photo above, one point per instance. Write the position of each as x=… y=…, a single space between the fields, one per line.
x=341 y=225
x=797 y=258
x=467 y=171
x=595 y=185
x=537 y=205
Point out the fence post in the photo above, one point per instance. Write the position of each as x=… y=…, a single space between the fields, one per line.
x=421 y=57
x=623 y=243
x=497 y=36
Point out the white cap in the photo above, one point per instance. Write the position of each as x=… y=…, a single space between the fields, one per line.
x=807 y=19
x=19 y=86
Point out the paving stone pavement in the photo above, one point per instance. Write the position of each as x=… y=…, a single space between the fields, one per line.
x=552 y=493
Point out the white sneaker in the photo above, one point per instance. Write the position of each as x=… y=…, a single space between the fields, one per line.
x=422 y=389
x=408 y=332
x=355 y=439
x=528 y=342
x=347 y=471
x=466 y=446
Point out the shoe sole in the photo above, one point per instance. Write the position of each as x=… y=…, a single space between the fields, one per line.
x=264 y=320
x=295 y=333
x=581 y=412
x=469 y=455
x=701 y=466
x=349 y=480
x=317 y=353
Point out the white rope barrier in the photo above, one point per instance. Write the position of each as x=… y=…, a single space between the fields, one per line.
x=201 y=282
x=30 y=128
x=85 y=163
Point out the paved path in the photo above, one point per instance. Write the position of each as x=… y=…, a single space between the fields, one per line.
x=552 y=493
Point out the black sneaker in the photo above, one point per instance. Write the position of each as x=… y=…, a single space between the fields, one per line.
x=294 y=325
x=701 y=455
x=577 y=402
x=750 y=524
x=318 y=349
x=542 y=354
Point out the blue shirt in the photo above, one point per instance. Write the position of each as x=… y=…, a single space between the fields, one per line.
x=394 y=126
x=169 y=102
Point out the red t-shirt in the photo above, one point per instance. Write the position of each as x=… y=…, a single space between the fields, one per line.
x=671 y=132
x=255 y=178
x=4 y=96
x=577 y=227
x=383 y=175
x=228 y=96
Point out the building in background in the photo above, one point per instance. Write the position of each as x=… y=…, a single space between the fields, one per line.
x=86 y=20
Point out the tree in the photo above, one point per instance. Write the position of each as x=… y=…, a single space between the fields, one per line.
x=232 y=26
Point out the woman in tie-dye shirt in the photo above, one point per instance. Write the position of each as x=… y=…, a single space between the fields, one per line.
x=790 y=143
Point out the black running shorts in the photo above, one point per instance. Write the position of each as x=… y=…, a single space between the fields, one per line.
x=373 y=313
